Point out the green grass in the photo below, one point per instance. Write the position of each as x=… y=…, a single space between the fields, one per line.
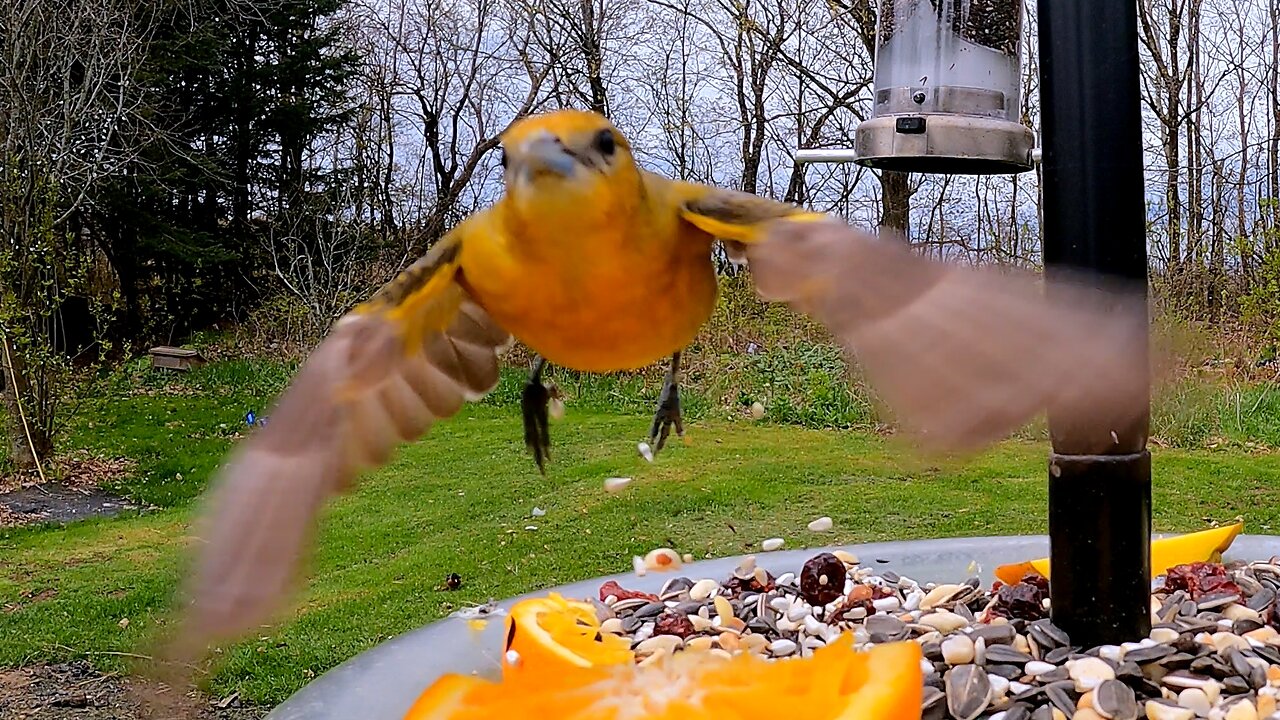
x=459 y=500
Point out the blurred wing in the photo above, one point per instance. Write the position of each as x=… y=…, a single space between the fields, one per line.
x=965 y=356
x=386 y=372
x=732 y=215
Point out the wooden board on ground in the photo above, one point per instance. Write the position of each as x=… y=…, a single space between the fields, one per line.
x=174 y=358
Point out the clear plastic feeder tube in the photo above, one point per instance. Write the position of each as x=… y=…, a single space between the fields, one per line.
x=949 y=56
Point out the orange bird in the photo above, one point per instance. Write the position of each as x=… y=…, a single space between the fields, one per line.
x=598 y=265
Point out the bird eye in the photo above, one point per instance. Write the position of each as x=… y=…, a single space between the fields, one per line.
x=605 y=143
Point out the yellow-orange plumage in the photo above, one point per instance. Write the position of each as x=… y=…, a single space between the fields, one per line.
x=598 y=265
x=603 y=277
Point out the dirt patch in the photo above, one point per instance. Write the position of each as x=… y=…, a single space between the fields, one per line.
x=55 y=502
x=72 y=493
x=75 y=691
x=79 y=469
x=30 y=597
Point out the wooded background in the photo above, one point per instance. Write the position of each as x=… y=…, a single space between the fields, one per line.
x=168 y=166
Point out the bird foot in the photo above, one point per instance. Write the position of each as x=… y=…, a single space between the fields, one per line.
x=667 y=416
x=534 y=403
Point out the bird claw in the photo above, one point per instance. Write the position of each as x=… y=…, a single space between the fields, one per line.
x=667 y=416
x=534 y=402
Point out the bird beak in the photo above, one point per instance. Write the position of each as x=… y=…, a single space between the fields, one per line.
x=545 y=154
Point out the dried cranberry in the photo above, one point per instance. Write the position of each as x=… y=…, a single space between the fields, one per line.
x=822 y=579
x=1199 y=579
x=670 y=623
x=1023 y=600
x=1038 y=580
x=613 y=588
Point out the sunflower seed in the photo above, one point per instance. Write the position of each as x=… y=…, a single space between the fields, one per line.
x=995 y=634
x=1113 y=699
x=1236 y=685
x=1213 y=601
x=1128 y=671
x=1261 y=600
x=1059 y=695
x=1008 y=672
x=968 y=692
x=624 y=606
x=1058 y=655
x=1005 y=654
x=1246 y=626
x=1176 y=661
x=1145 y=655
x=649 y=610
x=933 y=706
x=1181 y=680
x=886 y=625
x=1018 y=711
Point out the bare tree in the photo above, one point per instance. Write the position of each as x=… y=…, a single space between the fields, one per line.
x=69 y=117
x=467 y=71
x=676 y=84
x=749 y=35
x=376 y=192
x=585 y=42
x=329 y=255
x=1162 y=23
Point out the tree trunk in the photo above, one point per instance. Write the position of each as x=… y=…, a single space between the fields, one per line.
x=593 y=56
x=1195 y=158
x=1216 y=252
x=24 y=437
x=1273 y=146
x=895 y=203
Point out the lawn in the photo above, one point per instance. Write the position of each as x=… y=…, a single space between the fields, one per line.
x=460 y=500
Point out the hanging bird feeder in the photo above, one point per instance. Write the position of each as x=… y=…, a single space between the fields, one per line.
x=948 y=91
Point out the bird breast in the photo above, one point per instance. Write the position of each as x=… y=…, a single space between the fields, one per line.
x=596 y=298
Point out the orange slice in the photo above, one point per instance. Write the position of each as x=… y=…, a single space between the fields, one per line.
x=1203 y=546
x=550 y=633
x=835 y=683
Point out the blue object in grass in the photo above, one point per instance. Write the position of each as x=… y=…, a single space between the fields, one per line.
x=249 y=417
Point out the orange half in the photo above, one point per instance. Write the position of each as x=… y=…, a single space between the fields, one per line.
x=550 y=633
x=835 y=683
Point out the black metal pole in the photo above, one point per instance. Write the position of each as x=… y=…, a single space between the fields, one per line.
x=1095 y=219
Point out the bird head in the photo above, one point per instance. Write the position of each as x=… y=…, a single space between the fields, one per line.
x=568 y=160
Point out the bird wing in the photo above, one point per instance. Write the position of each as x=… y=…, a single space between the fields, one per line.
x=962 y=356
x=386 y=372
x=732 y=215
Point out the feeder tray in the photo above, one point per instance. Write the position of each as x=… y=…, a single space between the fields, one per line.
x=383 y=682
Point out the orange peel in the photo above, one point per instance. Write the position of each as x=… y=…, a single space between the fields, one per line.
x=1203 y=546
x=837 y=682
